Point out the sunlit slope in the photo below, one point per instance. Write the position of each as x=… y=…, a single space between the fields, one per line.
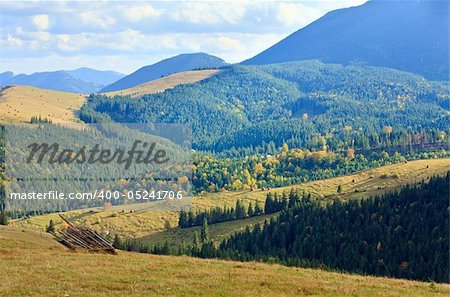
x=20 y=103
x=164 y=83
x=32 y=264
x=146 y=221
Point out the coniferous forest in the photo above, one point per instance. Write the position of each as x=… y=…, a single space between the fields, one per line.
x=245 y=108
x=404 y=234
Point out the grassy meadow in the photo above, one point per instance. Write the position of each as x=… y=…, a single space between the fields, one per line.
x=164 y=83
x=20 y=103
x=33 y=264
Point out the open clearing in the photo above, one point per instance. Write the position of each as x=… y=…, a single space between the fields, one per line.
x=32 y=264
x=146 y=222
x=20 y=103
x=164 y=83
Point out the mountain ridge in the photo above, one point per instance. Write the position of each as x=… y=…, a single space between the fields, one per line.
x=82 y=80
x=179 y=63
x=404 y=35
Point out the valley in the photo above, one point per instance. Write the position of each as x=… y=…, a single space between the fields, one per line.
x=143 y=221
x=303 y=149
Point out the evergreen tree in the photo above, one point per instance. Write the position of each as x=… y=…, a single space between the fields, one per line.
x=196 y=243
x=268 y=205
x=117 y=243
x=204 y=232
x=250 y=210
x=258 y=209
x=3 y=218
x=183 y=219
x=241 y=212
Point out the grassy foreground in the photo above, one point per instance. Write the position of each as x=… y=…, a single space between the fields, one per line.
x=32 y=264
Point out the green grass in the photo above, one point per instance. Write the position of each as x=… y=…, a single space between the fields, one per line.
x=32 y=264
x=217 y=232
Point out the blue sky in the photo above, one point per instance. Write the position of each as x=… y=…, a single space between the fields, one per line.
x=125 y=35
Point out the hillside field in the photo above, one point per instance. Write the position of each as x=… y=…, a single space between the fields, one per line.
x=164 y=83
x=20 y=103
x=32 y=264
x=151 y=225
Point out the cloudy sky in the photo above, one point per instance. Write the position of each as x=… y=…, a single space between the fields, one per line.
x=125 y=35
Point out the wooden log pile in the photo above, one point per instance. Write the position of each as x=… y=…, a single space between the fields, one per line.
x=80 y=237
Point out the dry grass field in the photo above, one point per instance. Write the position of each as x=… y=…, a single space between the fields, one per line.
x=19 y=103
x=164 y=83
x=145 y=221
x=32 y=264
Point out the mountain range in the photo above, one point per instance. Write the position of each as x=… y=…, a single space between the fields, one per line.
x=180 y=63
x=411 y=36
x=82 y=80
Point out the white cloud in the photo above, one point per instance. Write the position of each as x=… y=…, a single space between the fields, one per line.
x=136 y=14
x=33 y=35
x=76 y=42
x=210 y=12
x=97 y=20
x=230 y=43
x=296 y=14
x=41 y=21
x=13 y=42
x=39 y=36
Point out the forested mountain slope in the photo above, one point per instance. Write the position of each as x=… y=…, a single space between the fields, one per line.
x=404 y=234
x=296 y=102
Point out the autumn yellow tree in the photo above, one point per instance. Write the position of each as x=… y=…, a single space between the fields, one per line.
x=387 y=130
x=350 y=153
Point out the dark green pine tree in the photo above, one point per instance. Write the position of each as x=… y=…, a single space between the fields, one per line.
x=117 y=243
x=250 y=210
x=268 y=205
x=258 y=209
x=3 y=218
x=241 y=212
x=183 y=219
x=204 y=232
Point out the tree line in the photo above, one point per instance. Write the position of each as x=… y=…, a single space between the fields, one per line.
x=273 y=203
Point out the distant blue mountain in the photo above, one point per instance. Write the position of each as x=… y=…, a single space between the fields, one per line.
x=407 y=35
x=184 y=62
x=100 y=77
x=83 y=80
x=5 y=77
